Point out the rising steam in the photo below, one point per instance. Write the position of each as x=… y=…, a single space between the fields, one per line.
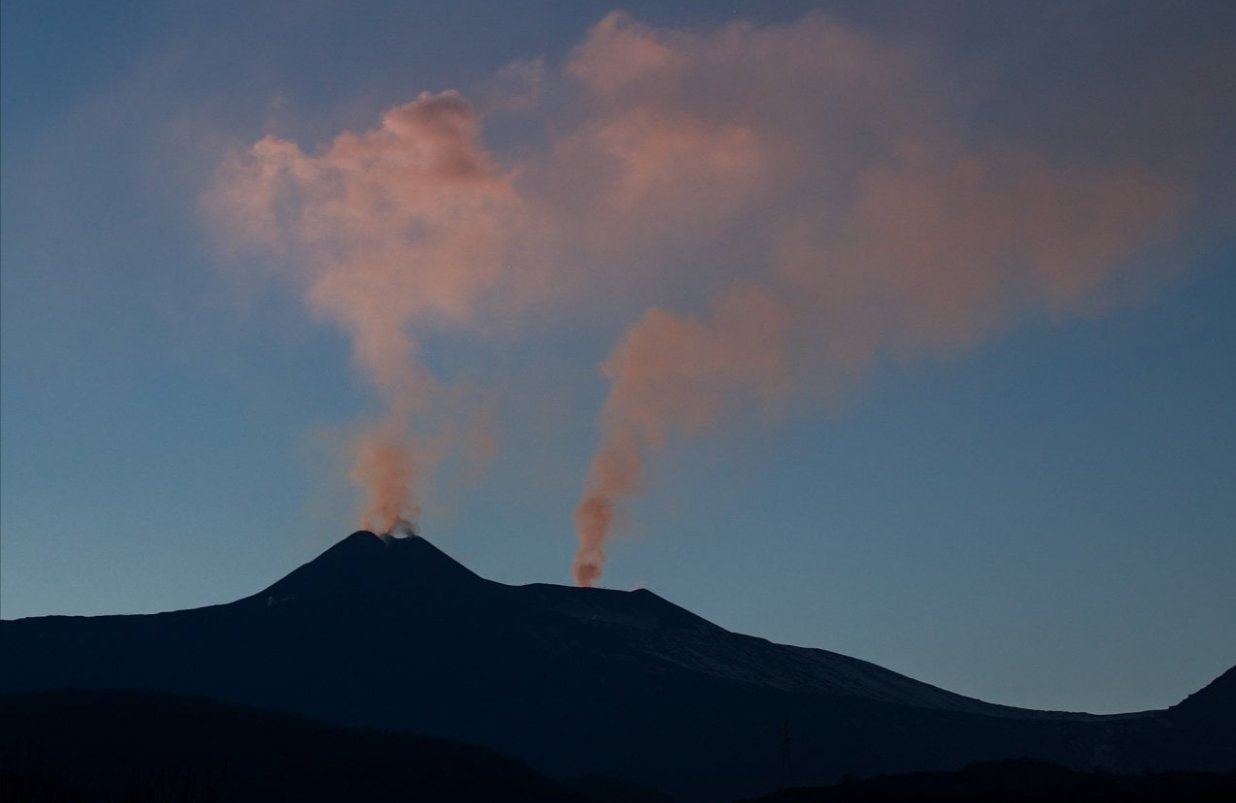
x=673 y=375
x=399 y=227
x=869 y=223
x=808 y=197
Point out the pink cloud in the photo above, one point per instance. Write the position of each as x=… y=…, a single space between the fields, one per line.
x=770 y=207
x=401 y=226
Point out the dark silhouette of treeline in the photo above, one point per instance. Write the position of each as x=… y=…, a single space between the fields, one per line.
x=1020 y=781
x=137 y=746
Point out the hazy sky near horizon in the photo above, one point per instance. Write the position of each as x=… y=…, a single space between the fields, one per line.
x=988 y=435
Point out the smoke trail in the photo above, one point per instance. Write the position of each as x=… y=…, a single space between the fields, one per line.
x=674 y=375
x=385 y=469
x=818 y=196
x=401 y=226
x=870 y=221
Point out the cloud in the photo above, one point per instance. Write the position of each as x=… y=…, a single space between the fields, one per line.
x=771 y=208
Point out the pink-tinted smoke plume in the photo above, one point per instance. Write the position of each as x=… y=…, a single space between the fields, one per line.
x=868 y=225
x=677 y=375
x=776 y=208
x=398 y=227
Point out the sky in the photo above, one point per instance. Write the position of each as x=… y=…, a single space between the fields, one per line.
x=899 y=330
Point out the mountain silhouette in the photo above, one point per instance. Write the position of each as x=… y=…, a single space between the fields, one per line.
x=391 y=633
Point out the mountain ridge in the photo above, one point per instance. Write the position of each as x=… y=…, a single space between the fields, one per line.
x=373 y=569
x=392 y=633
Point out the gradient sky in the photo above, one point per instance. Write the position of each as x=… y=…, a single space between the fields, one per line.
x=1027 y=494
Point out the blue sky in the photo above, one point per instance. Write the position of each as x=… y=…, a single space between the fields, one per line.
x=1038 y=512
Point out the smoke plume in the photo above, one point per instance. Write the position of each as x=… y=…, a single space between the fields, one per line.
x=677 y=375
x=776 y=209
x=400 y=227
x=870 y=220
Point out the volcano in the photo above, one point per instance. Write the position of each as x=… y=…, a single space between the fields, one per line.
x=390 y=632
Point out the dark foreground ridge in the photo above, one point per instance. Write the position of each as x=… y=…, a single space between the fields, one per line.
x=391 y=633
x=1020 y=781
x=142 y=746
